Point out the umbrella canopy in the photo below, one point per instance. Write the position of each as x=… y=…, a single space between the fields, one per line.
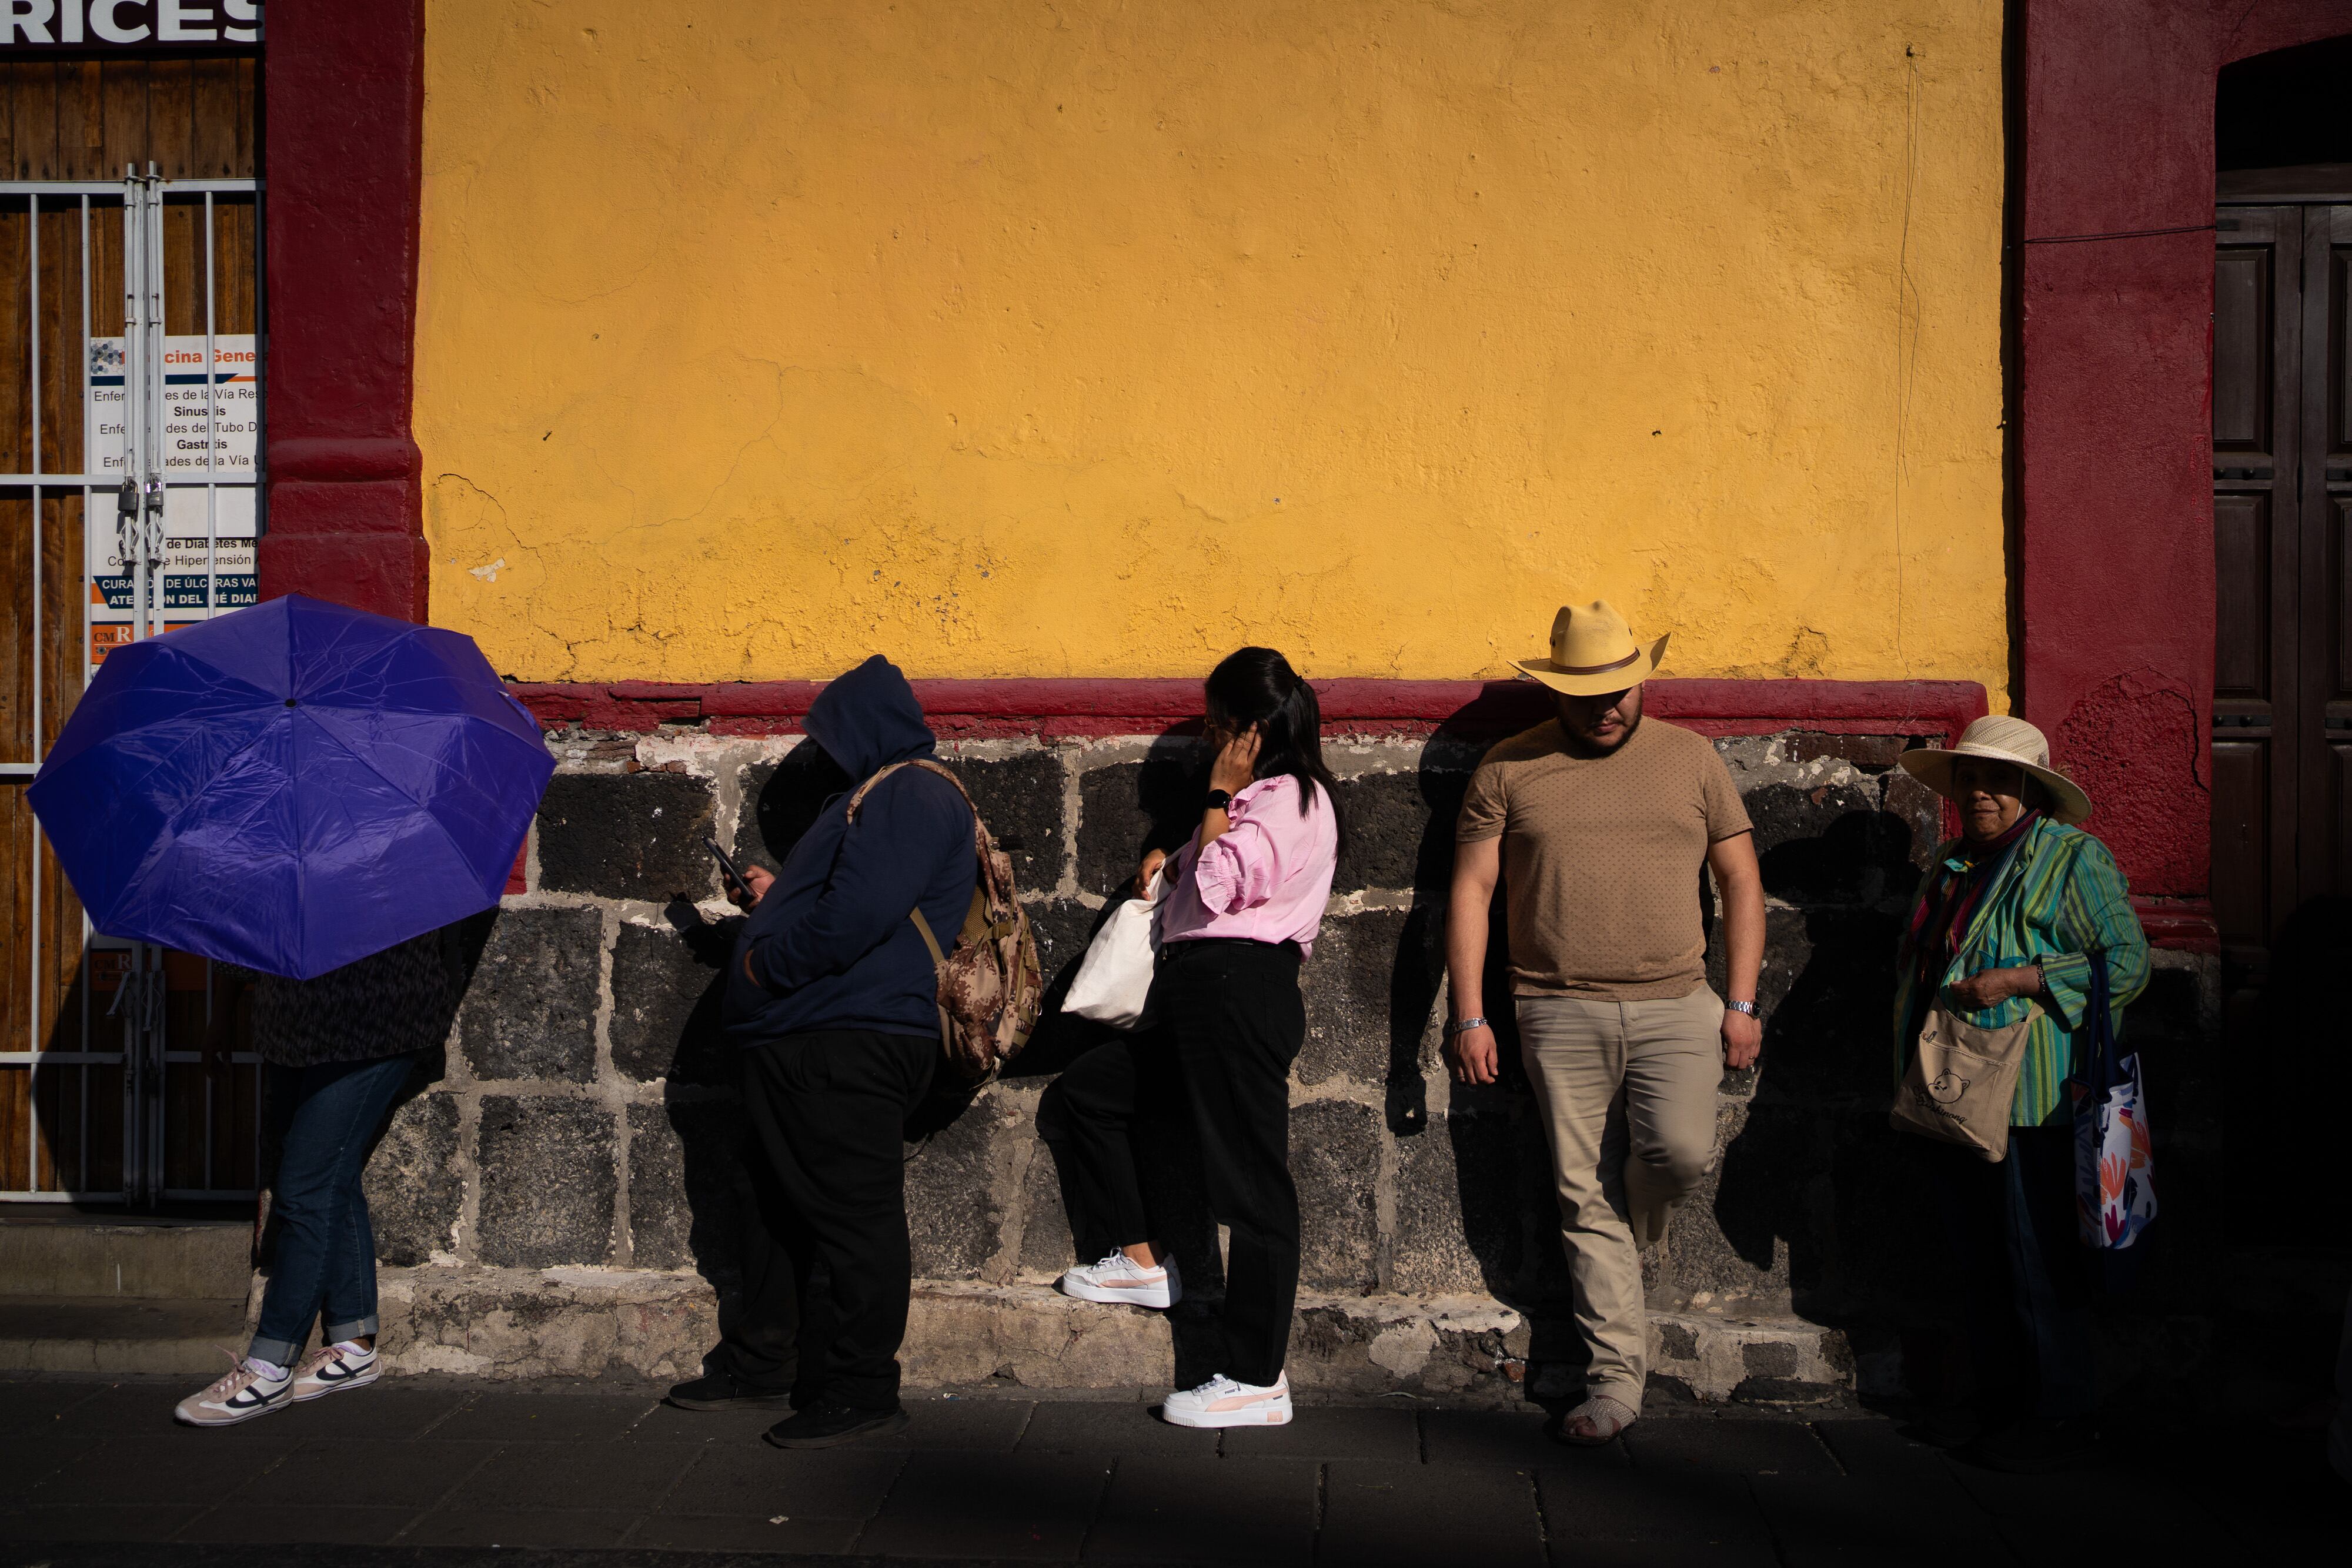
x=291 y=787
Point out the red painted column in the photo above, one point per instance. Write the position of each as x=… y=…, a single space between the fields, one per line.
x=343 y=94
x=2114 y=439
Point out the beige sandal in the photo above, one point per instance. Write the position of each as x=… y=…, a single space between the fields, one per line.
x=1596 y=1422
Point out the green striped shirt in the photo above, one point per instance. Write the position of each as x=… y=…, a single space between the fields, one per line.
x=2061 y=899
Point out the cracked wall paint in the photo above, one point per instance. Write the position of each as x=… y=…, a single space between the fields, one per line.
x=755 y=338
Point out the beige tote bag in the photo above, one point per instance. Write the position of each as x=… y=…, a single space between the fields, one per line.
x=1961 y=1080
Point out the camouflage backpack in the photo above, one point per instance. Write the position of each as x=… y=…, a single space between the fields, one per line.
x=990 y=989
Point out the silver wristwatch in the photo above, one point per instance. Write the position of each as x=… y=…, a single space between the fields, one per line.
x=1748 y=1008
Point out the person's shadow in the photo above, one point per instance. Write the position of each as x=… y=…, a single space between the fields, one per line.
x=1504 y=1195
x=699 y=1099
x=1814 y=1181
x=1166 y=807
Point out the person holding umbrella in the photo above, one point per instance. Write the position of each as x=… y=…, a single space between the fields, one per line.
x=309 y=794
x=341 y=1048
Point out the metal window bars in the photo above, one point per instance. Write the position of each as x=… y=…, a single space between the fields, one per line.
x=141 y=488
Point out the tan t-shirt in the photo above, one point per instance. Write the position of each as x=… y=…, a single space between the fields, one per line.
x=1601 y=857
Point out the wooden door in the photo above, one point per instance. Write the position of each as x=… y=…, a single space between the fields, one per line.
x=77 y=1118
x=2325 y=764
x=2257 y=538
x=2283 y=684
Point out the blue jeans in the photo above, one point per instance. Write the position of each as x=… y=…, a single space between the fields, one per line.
x=2029 y=1277
x=326 y=1253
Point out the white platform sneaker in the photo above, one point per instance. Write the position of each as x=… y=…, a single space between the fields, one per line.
x=243 y=1394
x=334 y=1366
x=1222 y=1402
x=1119 y=1278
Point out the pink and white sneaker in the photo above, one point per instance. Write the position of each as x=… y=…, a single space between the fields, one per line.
x=1119 y=1278
x=246 y=1392
x=343 y=1364
x=1222 y=1402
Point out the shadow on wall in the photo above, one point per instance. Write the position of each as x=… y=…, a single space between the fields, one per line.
x=1815 y=1197
x=1811 y=1199
x=685 y=1046
x=1117 y=831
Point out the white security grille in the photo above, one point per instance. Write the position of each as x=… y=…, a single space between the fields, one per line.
x=169 y=506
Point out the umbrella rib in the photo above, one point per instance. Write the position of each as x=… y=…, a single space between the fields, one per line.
x=466 y=718
x=168 y=840
x=426 y=811
x=117 y=737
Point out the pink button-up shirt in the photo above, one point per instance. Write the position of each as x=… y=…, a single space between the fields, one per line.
x=1266 y=878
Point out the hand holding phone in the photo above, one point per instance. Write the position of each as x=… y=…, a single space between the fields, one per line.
x=738 y=890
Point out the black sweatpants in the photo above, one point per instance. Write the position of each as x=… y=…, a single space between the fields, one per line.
x=827 y=1184
x=1232 y=1018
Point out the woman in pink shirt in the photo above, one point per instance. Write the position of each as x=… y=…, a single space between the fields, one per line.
x=1244 y=898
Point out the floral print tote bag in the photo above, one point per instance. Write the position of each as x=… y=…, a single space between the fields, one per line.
x=2115 y=1164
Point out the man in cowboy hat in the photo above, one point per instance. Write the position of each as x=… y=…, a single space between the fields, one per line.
x=1598 y=823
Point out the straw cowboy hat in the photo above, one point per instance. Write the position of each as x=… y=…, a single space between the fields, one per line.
x=2000 y=738
x=1593 y=653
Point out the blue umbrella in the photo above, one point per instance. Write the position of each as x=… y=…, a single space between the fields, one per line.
x=291 y=787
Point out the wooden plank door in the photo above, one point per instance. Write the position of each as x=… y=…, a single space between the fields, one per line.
x=2258 y=344
x=2324 y=837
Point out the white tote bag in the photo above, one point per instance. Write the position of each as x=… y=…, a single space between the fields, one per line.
x=1115 y=976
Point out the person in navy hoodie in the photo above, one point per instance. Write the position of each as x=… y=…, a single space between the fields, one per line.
x=831 y=1003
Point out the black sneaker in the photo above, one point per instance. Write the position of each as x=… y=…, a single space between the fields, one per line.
x=720 y=1389
x=826 y=1425
x=1951 y=1426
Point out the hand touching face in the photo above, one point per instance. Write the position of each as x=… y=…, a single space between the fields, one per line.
x=1236 y=764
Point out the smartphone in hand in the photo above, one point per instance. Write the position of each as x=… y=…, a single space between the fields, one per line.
x=730 y=880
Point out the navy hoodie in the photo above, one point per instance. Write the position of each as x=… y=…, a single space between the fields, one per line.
x=831 y=945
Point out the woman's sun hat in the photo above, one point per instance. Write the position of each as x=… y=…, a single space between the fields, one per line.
x=1593 y=653
x=1998 y=737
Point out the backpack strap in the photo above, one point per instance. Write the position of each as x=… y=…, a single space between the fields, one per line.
x=857 y=799
x=983 y=846
x=938 y=966
x=979 y=892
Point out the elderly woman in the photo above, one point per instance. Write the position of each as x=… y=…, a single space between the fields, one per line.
x=2015 y=912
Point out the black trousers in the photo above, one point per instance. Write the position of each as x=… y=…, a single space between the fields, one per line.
x=2028 y=1278
x=827 y=1188
x=1232 y=1022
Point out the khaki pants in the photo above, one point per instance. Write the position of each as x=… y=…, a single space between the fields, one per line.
x=1627 y=1092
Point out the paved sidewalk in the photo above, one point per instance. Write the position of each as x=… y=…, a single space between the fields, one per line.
x=434 y=1471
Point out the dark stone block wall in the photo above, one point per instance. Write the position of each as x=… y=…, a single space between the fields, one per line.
x=585 y=1115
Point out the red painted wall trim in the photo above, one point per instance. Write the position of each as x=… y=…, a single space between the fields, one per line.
x=343 y=90
x=2114 y=420
x=1054 y=708
x=2181 y=925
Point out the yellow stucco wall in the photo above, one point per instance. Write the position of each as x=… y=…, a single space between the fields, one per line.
x=1099 y=338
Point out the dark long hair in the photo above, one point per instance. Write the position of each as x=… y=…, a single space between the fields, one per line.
x=1257 y=686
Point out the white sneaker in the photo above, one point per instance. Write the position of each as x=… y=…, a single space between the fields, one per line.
x=244 y=1393
x=331 y=1367
x=1119 y=1278
x=1222 y=1402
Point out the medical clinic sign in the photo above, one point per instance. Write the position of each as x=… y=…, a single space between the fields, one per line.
x=125 y=24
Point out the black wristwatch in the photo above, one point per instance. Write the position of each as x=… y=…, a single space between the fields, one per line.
x=1218 y=800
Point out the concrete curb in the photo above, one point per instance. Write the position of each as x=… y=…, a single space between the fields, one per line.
x=511 y=1323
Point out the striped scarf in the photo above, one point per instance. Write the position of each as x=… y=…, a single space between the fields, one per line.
x=1940 y=921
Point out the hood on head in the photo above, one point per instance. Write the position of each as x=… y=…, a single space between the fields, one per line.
x=869 y=719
